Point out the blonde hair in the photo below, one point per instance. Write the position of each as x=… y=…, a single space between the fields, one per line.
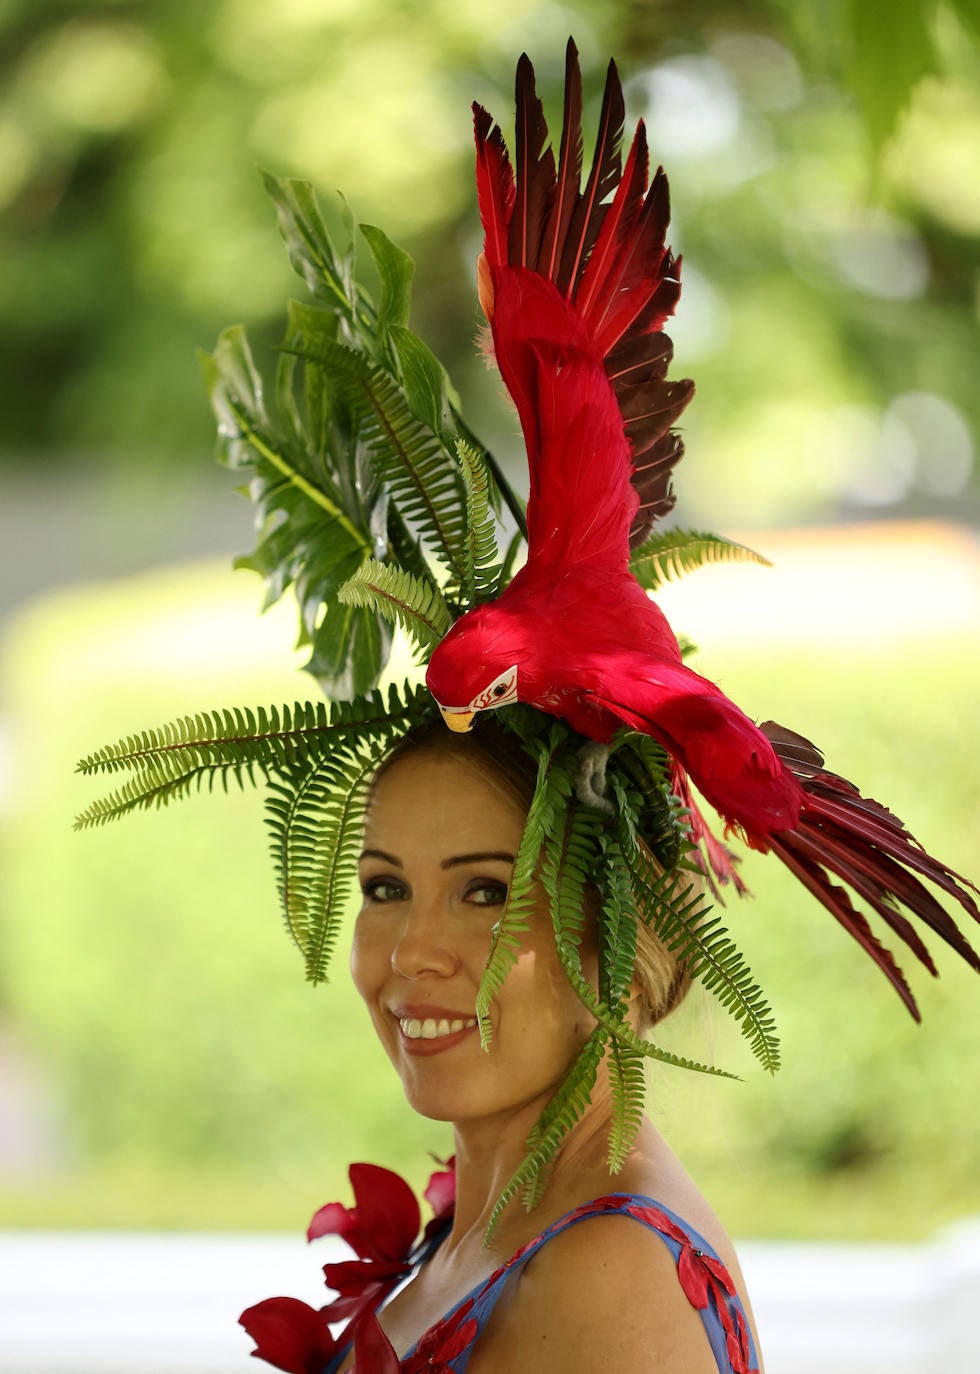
x=661 y=979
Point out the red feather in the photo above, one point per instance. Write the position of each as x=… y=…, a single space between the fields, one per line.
x=581 y=354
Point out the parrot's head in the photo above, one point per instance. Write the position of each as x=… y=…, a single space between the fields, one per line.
x=475 y=668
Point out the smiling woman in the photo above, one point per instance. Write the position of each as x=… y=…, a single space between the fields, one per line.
x=445 y=821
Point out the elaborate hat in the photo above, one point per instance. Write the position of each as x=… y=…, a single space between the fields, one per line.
x=378 y=504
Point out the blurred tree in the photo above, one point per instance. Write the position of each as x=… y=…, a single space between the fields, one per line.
x=823 y=159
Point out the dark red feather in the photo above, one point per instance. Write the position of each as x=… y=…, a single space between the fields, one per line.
x=569 y=173
x=535 y=172
x=603 y=178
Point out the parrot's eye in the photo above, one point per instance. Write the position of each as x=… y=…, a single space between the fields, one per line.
x=499 y=690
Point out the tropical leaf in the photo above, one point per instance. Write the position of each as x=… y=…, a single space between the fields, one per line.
x=481 y=572
x=627 y=1082
x=566 y=1107
x=236 y=744
x=156 y=787
x=317 y=522
x=552 y=790
x=395 y=272
x=418 y=606
x=409 y=455
x=670 y=555
x=315 y=819
x=676 y=910
x=327 y=274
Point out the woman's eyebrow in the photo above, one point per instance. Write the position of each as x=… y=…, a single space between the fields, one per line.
x=380 y=854
x=494 y=855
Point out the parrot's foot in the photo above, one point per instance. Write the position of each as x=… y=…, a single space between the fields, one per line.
x=590 y=784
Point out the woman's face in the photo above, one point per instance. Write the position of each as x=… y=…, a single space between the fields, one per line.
x=439 y=847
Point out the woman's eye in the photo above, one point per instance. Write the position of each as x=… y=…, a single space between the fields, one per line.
x=382 y=890
x=487 y=894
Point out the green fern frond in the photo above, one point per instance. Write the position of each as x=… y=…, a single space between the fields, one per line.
x=315 y=820
x=616 y=1025
x=627 y=1081
x=669 y=555
x=567 y=1106
x=551 y=791
x=418 y=606
x=155 y=788
x=409 y=456
x=268 y=737
x=481 y=572
x=676 y=913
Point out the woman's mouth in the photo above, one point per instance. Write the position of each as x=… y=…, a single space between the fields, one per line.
x=432 y=1034
x=431 y=1029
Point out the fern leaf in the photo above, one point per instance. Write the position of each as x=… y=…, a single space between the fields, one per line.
x=627 y=1082
x=566 y=1106
x=267 y=737
x=315 y=820
x=418 y=606
x=705 y=947
x=669 y=555
x=409 y=455
x=481 y=573
x=551 y=791
x=155 y=788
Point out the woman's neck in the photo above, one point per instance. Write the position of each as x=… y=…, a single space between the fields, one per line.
x=489 y=1153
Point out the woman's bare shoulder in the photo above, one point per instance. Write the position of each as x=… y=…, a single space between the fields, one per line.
x=600 y=1295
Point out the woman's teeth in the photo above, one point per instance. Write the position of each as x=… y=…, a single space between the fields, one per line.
x=430 y=1029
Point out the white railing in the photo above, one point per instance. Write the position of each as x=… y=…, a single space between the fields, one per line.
x=116 y=1303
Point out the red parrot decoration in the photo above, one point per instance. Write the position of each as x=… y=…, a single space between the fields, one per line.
x=576 y=285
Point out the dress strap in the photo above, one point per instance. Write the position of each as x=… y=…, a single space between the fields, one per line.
x=704 y=1278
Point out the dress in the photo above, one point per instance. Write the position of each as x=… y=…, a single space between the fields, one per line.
x=446 y=1347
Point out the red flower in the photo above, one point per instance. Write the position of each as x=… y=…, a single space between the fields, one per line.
x=373 y=1351
x=290 y=1335
x=384 y=1221
x=440 y=1191
x=443 y=1342
x=360 y=1284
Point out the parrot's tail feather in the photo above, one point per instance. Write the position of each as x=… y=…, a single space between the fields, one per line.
x=837 y=902
x=866 y=846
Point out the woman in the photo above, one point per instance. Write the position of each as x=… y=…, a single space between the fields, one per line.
x=444 y=822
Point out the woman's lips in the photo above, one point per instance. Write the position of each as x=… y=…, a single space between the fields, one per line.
x=430 y=1030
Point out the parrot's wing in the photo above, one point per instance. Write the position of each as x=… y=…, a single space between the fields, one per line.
x=604 y=261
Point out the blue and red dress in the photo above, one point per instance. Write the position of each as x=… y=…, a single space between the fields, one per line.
x=446 y=1347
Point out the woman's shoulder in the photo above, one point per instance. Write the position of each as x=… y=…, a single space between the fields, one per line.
x=600 y=1295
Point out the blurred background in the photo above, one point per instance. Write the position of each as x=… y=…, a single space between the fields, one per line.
x=162 y=1064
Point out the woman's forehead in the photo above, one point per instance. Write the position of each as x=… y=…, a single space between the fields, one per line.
x=427 y=797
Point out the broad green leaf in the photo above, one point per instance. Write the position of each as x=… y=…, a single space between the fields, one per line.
x=311 y=253
x=395 y=270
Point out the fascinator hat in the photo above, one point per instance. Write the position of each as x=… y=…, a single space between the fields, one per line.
x=379 y=506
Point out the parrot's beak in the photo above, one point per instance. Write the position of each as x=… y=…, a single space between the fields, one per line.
x=458 y=721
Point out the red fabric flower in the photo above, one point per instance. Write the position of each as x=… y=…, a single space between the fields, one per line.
x=373 y=1352
x=440 y=1191
x=360 y=1284
x=443 y=1342
x=381 y=1228
x=290 y=1335
x=384 y=1221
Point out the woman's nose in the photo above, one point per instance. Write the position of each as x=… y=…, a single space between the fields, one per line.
x=423 y=945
